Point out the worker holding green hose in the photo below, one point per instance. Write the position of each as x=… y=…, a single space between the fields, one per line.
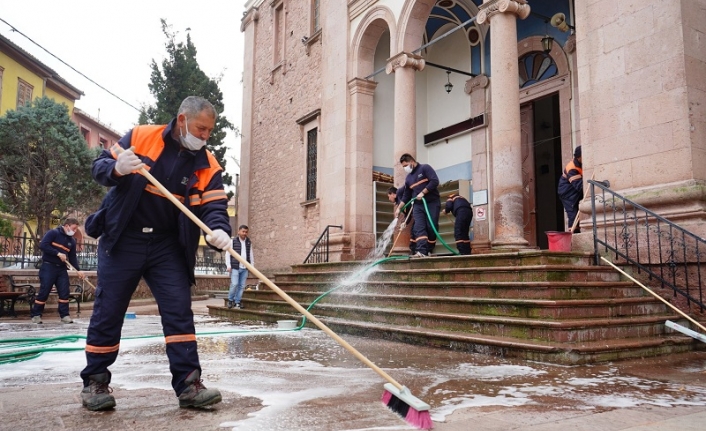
x=422 y=182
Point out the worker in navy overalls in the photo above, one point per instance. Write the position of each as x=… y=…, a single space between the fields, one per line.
x=570 y=188
x=422 y=182
x=462 y=211
x=58 y=247
x=144 y=235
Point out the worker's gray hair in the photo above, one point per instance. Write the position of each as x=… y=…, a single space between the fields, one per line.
x=194 y=105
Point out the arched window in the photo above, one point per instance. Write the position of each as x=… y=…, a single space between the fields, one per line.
x=536 y=66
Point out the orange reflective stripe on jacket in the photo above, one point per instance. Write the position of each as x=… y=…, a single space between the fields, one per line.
x=571 y=167
x=63 y=247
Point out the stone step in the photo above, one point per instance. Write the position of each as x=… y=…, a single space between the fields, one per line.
x=498 y=273
x=570 y=353
x=522 y=258
x=515 y=307
x=475 y=289
x=565 y=330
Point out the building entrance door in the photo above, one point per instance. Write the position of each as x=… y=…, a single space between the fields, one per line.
x=541 y=169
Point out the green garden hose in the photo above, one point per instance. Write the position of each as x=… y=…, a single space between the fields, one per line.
x=24 y=349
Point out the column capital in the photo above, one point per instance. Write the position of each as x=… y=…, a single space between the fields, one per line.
x=493 y=7
x=404 y=59
x=364 y=86
x=250 y=16
x=477 y=82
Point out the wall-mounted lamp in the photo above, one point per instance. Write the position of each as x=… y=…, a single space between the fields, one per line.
x=547 y=43
x=448 y=86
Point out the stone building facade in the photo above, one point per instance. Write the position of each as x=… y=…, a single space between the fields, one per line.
x=337 y=90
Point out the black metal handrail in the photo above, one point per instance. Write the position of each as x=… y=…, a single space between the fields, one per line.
x=637 y=236
x=320 y=251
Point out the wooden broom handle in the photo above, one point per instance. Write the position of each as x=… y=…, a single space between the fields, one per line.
x=270 y=284
x=585 y=195
x=653 y=293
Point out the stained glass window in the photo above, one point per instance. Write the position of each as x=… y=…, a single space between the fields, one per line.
x=536 y=66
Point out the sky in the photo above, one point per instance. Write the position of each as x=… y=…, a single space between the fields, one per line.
x=114 y=43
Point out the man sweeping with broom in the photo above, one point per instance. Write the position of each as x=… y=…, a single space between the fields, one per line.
x=142 y=234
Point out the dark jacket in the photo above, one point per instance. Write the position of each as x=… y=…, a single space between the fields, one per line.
x=203 y=192
x=456 y=203
x=571 y=182
x=422 y=177
x=56 y=241
x=234 y=263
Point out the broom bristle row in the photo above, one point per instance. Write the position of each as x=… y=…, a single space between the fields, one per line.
x=414 y=417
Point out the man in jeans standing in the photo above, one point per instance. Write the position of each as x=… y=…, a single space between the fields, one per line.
x=239 y=273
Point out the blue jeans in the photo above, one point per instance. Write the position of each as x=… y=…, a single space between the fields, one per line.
x=237 y=284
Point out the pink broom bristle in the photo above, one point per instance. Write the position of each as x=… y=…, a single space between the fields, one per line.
x=421 y=420
x=386 y=396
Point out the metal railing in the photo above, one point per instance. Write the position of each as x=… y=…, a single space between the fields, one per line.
x=22 y=252
x=320 y=251
x=637 y=236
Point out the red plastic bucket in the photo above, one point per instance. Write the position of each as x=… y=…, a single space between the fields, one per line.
x=559 y=241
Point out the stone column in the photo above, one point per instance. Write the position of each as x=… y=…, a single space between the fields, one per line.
x=249 y=27
x=506 y=154
x=359 y=156
x=404 y=65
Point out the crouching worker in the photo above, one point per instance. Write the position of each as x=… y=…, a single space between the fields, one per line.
x=143 y=235
x=461 y=209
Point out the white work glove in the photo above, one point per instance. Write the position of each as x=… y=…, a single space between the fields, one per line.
x=61 y=256
x=420 y=196
x=220 y=239
x=128 y=162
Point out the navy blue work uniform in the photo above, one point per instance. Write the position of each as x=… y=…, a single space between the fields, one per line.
x=398 y=199
x=144 y=235
x=423 y=177
x=461 y=209
x=53 y=271
x=570 y=190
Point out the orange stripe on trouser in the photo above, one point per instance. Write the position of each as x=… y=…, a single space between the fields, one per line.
x=182 y=338
x=64 y=301
x=36 y=301
x=100 y=349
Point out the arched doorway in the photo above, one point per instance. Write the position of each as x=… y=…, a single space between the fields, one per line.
x=545 y=97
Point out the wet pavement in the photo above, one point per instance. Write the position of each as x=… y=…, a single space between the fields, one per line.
x=302 y=380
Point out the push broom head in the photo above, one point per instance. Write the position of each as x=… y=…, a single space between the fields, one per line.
x=409 y=407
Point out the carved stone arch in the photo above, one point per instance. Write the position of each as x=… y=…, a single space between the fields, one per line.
x=365 y=40
x=534 y=43
x=412 y=24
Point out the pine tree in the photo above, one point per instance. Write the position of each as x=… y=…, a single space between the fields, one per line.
x=179 y=77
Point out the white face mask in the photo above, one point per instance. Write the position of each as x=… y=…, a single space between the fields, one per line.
x=69 y=232
x=191 y=142
x=408 y=169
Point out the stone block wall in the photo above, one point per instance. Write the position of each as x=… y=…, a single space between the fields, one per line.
x=281 y=227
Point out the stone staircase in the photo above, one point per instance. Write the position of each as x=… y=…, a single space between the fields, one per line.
x=537 y=305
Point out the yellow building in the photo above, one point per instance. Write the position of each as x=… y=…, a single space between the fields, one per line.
x=23 y=78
